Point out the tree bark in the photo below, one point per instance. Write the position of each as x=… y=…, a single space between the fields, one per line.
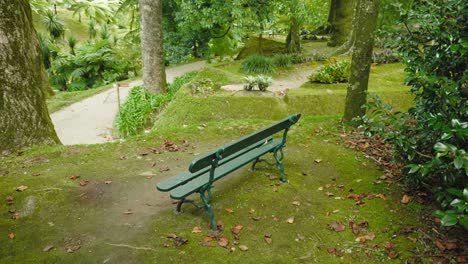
x=24 y=118
x=293 y=40
x=361 y=59
x=342 y=23
x=154 y=74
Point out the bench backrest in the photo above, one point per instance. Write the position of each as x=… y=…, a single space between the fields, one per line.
x=227 y=150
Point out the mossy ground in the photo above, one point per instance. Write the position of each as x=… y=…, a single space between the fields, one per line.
x=127 y=220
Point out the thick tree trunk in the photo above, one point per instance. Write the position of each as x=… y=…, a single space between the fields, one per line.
x=24 y=118
x=154 y=74
x=293 y=40
x=361 y=60
x=342 y=24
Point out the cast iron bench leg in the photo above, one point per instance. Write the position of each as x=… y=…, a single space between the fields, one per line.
x=206 y=197
x=279 y=163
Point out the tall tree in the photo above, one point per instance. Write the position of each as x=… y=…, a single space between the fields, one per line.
x=297 y=13
x=154 y=74
x=341 y=21
x=24 y=118
x=365 y=22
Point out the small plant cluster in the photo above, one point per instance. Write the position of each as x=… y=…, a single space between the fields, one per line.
x=137 y=111
x=333 y=72
x=204 y=86
x=431 y=138
x=260 y=81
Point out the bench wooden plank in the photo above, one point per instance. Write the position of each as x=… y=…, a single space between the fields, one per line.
x=186 y=176
x=194 y=185
x=244 y=142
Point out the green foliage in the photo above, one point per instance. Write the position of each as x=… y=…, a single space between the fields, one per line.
x=431 y=138
x=53 y=24
x=384 y=56
x=257 y=64
x=261 y=81
x=93 y=64
x=137 y=111
x=456 y=203
x=283 y=60
x=333 y=72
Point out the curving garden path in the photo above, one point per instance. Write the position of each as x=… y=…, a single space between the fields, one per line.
x=90 y=121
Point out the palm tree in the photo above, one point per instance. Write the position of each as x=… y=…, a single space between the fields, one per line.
x=53 y=24
x=98 y=10
x=71 y=41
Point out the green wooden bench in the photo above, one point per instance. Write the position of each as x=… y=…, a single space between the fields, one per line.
x=207 y=169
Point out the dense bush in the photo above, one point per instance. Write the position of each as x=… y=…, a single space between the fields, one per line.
x=89 y=65
x=431 y=138
x=137 y=111
x=257 y=64
x=333 y=72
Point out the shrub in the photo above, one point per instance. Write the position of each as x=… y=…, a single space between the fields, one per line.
x=333 y=72
x=282 y=60
x=257 y=64
x=137 y=111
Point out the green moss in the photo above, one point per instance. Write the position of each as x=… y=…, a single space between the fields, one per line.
x=65 y=214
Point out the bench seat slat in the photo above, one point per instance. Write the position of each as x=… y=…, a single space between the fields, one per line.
x=186 y=176
x=194 y=185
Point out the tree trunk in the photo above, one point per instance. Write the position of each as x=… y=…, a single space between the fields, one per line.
x=154 y=74
x=342 y=24
x=24 y=118
x=293 y=40
x=361 y=60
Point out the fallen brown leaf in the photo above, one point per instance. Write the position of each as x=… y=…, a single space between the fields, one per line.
x=11 y=236
x=392 y=254
x=406 y=199
x=243 y=247
x=290 y=220
x=21 y=188
x=84 y=183
x=35 y=174
x=338 y=227
x=179 y=241
x=224 y=242
x=267 y=238
x=74 y=177
x=388 y=245
x=73 y=248
x=196 y=230
x=107 y=182
x=128 y=212
x=164 y=168
x=229 y=210
x=48 y=248
x=10 y=200
x=236 y=229
x=296 y=203
x=318 y=160
x=354 y=227
x=365 y=238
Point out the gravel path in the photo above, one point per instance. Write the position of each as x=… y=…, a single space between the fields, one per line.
x=90 y=121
